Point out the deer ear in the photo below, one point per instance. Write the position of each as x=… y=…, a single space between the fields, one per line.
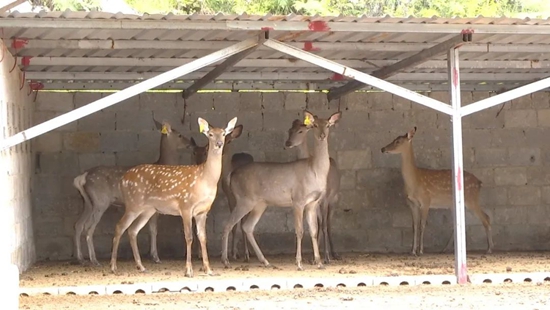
x=296 y=123
x=334 y=118
x=230 y=126
x=166 y=128
x=192 y=143
x=411 y=133
x=157 y=124
x=309 y=119
x=234 y=134
x=203 y=126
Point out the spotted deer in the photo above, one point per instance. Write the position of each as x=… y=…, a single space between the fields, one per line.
x=429 y=188
x=200 y=154
x=298 y=184
x=99 y=187
x=297 y=138
x=187 y=191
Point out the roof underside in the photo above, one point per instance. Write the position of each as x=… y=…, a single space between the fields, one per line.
x=96 y=50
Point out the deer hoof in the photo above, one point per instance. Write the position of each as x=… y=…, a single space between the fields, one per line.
x=96 y=263
x=336 y=256
x=246 y=258
x=321 y=266
x=189 y=273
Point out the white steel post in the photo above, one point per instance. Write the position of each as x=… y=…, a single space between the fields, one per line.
x=126 y=93
x=458 y=169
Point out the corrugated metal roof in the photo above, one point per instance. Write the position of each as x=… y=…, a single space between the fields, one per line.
x=68 y=49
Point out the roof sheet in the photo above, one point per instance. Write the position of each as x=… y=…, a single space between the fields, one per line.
x=98 y=50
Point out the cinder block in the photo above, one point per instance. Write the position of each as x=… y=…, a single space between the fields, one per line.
x=98 y=121
x=510 y=176
x=442 y=96
x=522 y=103
x=538 y=215
x=81 y=99
x=486 y=119
x=545 y=194
x=357 y=101
x=342 y=139
x=493 y=196
x=227 y=102
x=524 y=195
x=174 y=119
x=520 y=118
x=251 y=121
x=89 y=160
x=118 y=141
x=134 y=121
x=266 y=141
x=59 y=163
x=129 y=104
x=273 y=101
x=295 y=101
x=316 y=102
x=347 y=179
x=153 y=101
x=54 y=101
x=81 y=142
x=381 y=240
x=491 y=157
x=354 y=200
x=401 y=217
x=400 y=103
x=543 y=117
x=201 y=102
x=466 y=97
x=133 y=158
x=356 y=159
x=48 y=142
x=380 y=100
x=510 y=215
x=541 y=100
x=149 y=141
x=524 y=156
x=42 y=116
x=279 y=120
x=381 y=119
x=535 y=137
x=250 y=101
x=506 y=137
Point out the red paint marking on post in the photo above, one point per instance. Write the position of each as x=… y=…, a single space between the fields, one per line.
x=467 y=31
x=459 y=179
x=36 y=85
x=337 y=77
x=308 y=47
x=19 y=43
x=267 y=28
x=318 y=25
x=462 y=274
x=26 y=61
x=455 y=77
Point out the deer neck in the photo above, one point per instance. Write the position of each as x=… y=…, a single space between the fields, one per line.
x=226 y=161
x=168 y=153
x=303 y=150
x=213 y=165
x=319 y=159
x=408 y=167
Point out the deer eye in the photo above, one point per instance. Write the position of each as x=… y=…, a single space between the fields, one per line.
x=300 y=131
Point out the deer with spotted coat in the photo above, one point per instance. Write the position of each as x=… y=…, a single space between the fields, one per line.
x=297 y=138
x=187 y=191
x=99 y=187
x=430 y=188
x=298 y=184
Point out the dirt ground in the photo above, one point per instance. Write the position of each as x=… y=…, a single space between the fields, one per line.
x=68 y=273
x=486 y=296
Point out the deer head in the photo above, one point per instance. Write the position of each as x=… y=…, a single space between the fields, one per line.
x=216 y=136
x=320 y=126
x=400 y=143
x=200 y=152
x=296 y=134
x=175 y=139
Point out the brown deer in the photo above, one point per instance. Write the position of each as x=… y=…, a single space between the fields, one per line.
x=99 y=187
x=429 y=188
x=299 y=184
x=187 y=191
x=297 y=137
x=200 y=153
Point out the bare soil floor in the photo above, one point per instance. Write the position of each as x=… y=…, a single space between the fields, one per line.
x=68 y=273
x=487 y=296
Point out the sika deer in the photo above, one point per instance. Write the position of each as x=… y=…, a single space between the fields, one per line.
x=297 y=137
x=200 y=153
x=99 y=187
x=300 y=184
x=187 y=191
x=428 y=188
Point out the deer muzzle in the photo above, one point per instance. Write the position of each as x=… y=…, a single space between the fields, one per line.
x=219 y=144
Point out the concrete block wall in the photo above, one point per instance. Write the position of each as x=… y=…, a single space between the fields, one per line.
x=16 y=112
x=506 y=151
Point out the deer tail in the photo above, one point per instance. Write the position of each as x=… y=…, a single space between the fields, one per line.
x=79 y=183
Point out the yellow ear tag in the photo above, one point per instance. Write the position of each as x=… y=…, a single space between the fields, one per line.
x=201 y=127
x=307 y=120
x=164 y=130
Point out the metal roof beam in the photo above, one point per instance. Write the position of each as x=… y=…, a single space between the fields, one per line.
x=174 y=24
x=278 y=76
x=117 y=97
x=269 y=63
x=217 y=45
x=404 y=64
x=216 y=72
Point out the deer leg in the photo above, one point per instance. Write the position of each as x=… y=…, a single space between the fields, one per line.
x=153 y=231
x=188 y=232
x=451 y=238
x=311 y=216
x=196 y=244
x=200 y=219
x=423 y=219
x=335 y=255
x=299 y=228
x=246 y=253
x=79 y=228
x=324 y=226
x=236 y=215
x=234 y=250
x=415 y=217
x=90 y=226
x=486 y=221
x=133 y=231
x=248 y=227
x=121 y=227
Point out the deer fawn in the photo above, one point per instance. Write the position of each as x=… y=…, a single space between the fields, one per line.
x=297 y=137
x=99 y=187
x=427 y=188
x=299 y=184
x=187 y=191
x=200 y=153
